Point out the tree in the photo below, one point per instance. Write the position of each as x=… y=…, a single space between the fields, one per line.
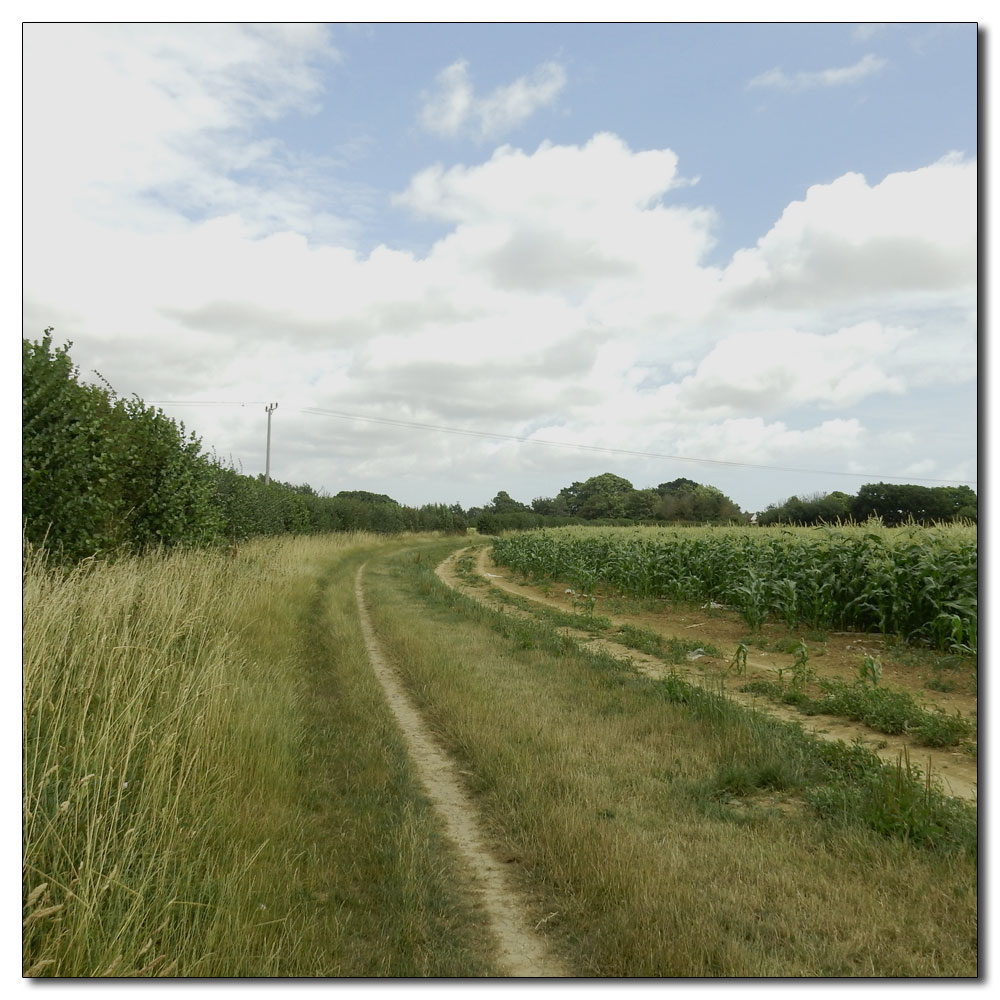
x=897 y=503
x=599 y=496
x=66 y=457
x=552 y=506
x=503 y=503
x=676 y=486
x=642 y=505
x=570 y=497
x=100 y=472
x=365 y=497
x=686 y=501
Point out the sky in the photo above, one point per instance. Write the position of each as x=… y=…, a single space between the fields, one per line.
x=465 y=258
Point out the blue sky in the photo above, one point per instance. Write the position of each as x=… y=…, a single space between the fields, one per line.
x=683 y=86
x=752 y=245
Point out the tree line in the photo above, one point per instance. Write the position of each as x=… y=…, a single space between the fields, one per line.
x=102 y=474
x=612 y=500
x=894 y=503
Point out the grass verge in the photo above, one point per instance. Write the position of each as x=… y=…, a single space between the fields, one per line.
x=661 y=830
x=670 y=649
x=213 y=784
x=880 y=708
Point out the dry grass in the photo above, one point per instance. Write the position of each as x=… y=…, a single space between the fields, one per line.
x=636 y=829
x=212 y=786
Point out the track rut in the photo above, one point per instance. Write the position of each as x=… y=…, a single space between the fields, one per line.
x=521 y=951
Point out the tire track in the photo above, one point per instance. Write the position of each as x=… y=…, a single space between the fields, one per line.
x=955 y=779
x=522 y=952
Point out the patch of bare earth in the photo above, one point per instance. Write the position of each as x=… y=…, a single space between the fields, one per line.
x=522 y=952
x=837 y=656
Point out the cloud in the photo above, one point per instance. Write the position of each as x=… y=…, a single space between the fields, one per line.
x=160 y=122
x=863 y=32
x=585 y=220
x=775 y=370
x=841 y=76
x=453 y=107
x=914 y=232
x=774 y=443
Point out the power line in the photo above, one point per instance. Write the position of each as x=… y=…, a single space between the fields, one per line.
x=207 y=402
x=318 y=411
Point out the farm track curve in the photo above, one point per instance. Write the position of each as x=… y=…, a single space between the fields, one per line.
x=957 y=774
x=522 y=952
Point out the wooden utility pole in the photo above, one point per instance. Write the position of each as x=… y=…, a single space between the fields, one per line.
x=267 y=466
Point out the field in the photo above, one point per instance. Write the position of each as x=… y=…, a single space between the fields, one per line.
x=914 y=582
x=218 y=784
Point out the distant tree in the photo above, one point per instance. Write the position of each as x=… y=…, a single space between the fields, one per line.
x=896 y=503
x=503 y=503
x=366 y=497
x=600 y=496
x=676 y=486
x=815 y=508
x=642 y=505
x=570 y=496
x=836 y=506
x=552 y=506
x=685 y=501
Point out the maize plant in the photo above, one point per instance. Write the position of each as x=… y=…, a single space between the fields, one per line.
x=916 y=582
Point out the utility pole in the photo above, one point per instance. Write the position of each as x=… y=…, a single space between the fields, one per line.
x=267 y=468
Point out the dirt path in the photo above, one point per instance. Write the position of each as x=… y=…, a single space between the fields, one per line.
x=957 y=773
x=522 y=952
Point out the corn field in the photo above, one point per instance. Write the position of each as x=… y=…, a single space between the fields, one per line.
x=915 y=582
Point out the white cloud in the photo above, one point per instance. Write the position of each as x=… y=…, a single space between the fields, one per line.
x=772 y=371
x=914 y=232
x=806 y=80
x=158 y=119
x=752 y=439
x=584 y=220
x=866 y=31
x=453 y=107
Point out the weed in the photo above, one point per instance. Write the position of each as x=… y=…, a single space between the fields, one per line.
x=738 y=665
x=870 y=670
x=900 y=802
x=883 y=709
x=942 y=684
x=802 y=673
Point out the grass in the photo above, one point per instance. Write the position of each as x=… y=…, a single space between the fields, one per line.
x=213 y=784
x=670 y=649
x=661 y=830
x=883 y=709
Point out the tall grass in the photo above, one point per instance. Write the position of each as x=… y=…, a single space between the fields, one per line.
x=190 y=800
x=920 y=583
x=143 y=726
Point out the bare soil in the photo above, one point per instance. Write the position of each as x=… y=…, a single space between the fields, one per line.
x=522 y=951
x=831 y=655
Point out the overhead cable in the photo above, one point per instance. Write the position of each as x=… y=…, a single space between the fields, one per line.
x=318 y=411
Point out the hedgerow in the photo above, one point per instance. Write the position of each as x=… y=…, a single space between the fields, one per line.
x=103 y=474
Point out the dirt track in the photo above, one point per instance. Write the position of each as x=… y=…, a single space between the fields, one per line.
x=522 y=952
x=956 y=771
